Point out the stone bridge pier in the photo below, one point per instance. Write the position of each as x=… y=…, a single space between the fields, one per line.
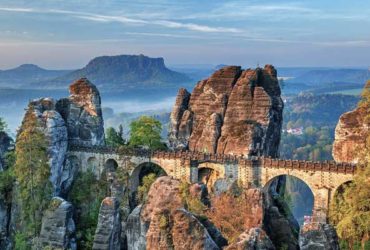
x=323 y=178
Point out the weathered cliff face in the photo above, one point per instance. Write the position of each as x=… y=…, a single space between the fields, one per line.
x=82 y=114
x=58 y=228
x=350 y=134
x=55 y=130
x=234 y=111
x=108 y=230
x=163 y=223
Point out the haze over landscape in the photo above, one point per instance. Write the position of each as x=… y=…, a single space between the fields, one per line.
x=184 y=124
x=284 y=33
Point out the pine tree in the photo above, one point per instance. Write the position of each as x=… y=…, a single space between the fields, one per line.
x=32 y=172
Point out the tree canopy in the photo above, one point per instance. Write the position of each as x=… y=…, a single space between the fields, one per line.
x=146 y=131
x=113 y=137
x=3 y=125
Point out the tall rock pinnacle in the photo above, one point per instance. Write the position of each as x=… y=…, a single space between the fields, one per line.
x=234 y=111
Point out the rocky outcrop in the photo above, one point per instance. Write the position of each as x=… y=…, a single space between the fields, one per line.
x=351 y=133
x=136 y=230
x=254 y=238
x=278 y=221
x=318 y=236
x=108 y=231
x=58 y=228
x=82 y=114
x=182 y=102
x=234 y=111
x=163 y=223
x=55 y=130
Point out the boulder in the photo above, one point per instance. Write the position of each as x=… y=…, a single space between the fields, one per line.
x=318 y=236
x=351 y=133
x=234 y=111
x=108 y=230
x=83 y=114
x=58 y=228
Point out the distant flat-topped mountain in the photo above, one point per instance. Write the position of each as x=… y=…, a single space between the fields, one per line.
x=26 y=74
x=111 y=72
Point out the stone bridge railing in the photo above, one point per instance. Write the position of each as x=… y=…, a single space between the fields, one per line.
x=242 y=160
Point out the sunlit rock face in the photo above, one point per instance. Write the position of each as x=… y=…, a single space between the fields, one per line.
x=350 y=134
x=234 y=111
x=82 y=113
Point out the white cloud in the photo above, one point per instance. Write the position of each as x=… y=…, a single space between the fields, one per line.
x=125 y=20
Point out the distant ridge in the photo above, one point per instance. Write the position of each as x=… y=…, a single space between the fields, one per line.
x=112 y=72
x=26 y=74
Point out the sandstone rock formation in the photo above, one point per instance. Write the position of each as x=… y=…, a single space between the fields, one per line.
x=58 y=228
x=108 y=230
x=255 y=238
x=83 y=115
x=136 y=230
x=234 y=111
x=350 y=134
x=55 y=130
x=278 y=222
x=318 y=236
x=163 y=223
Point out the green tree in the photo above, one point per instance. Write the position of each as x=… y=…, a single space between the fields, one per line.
x=143 y=189
x=3 y=125
x=114 y=138
x=32 y=172
x=146 y=131
x=87 y=194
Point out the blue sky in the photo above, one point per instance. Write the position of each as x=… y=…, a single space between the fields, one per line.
x=67 y=34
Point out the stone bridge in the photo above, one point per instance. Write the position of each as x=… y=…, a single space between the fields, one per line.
x=323 y=178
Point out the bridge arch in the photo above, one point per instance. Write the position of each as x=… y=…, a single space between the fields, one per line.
x=298 y=194
x=93 y=165
x=213 y=175
x=110 y=165
x=138 y=173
